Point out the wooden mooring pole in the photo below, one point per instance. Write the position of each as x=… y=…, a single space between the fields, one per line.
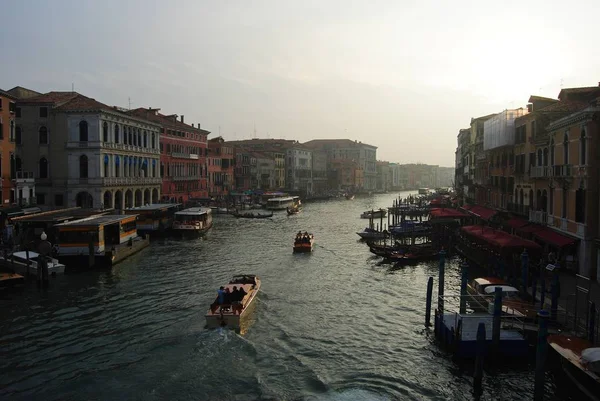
x=524 y=270
x=463 y=287
x=478 y=375
x=428 y=304
x=540 y=355
x=592 y=323
x=496 y=322
x=441 y=282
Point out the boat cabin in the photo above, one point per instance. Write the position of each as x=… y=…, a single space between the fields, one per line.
x=282 y=203
x=194 y=218
x=154 y=218
x=508 y=292
x=103 y=232
x=478 y=285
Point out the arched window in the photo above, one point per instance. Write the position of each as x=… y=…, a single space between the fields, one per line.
x=566 y=148
x=152 y=143
x=117 y=162
x=83 y=131
x=552 y=152
x=105 y=131
x=116 y=133
x=106 y=166
x=43 y=168
x=145 y=139
x=13 y=166
x=130 y=136
x=125 y=138
x=83 y=166
x=11 y=133
x=18 y=164
x=545 y=156
x=565 y=196
x=18 y=135
x=582 y=148
x=43 y=135
x=539 y=157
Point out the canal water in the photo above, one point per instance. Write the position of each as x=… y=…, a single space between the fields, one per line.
x=332 y=325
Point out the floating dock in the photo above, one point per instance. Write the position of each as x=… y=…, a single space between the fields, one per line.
x=459 y=332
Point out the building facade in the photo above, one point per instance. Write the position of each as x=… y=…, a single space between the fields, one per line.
x=8 y=128
x=183 y=156
x=299 y=165
x=221 y=164
x=85 y=153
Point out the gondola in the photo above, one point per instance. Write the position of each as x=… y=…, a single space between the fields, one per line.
x=253 y=215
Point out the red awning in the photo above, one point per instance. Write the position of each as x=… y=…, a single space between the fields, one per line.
x=482 y=212
x=499 y=238
x=531 y=228
x=467 y=207
x=436 y=201
x=553 y=238
x=516 y=222
x=447 y=213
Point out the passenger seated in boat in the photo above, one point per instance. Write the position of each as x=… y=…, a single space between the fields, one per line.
x=227 y=297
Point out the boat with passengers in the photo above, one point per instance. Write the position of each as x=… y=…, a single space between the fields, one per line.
x=282 y=202
x=235 y=307
x=194 y=220
x=304 y=242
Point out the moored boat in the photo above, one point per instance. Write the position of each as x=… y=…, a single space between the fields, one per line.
x=580 y=361
x=483 y=290
x=11 y=280
x=371 y=233
x=233 y=314
x=18 y=262
x=375 y=214
x=194 y=220
x=304 y=242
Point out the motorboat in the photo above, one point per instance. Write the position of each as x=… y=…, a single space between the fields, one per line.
x=580 y=361
x=18 y=262
x=371 y=233
x=194 y=220
x=304 y=243
x=373 y=214
x=233 y=315
x=293 y=210
x=483 y=289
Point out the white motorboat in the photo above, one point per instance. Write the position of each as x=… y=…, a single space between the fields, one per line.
x=233 y=315
x=18 y=262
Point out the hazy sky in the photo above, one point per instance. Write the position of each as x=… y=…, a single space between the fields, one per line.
x=400 y=75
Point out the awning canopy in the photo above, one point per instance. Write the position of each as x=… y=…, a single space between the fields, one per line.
x=499 y=238
x=551 y=237
x=517 y=222
x=530 y=228
x=447 y=213
x=482 y=212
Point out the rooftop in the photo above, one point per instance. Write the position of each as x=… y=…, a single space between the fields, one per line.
x=97 y=220
x=171 y=120
x=336 y=142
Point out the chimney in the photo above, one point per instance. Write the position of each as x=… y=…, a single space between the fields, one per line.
x=182 y=118
x=192 y=125
x=198 y=125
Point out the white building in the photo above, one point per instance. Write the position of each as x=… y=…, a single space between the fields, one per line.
x=85 y=153
x=299 y=168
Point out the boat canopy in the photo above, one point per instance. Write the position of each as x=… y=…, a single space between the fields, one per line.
x=506 y=289
x=590 y=358
x=498 y=238
x=447 y=213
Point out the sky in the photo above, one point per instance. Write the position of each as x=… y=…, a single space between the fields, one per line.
x=401 y=75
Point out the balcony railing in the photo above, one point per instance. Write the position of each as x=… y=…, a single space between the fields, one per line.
x=538 y=216
x=540 y=172
x=131 y=180
x=23 y=177
x=109 y=145
x=562 y=171
x=186 y=177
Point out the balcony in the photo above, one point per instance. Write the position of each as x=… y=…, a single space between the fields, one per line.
x=562 y=171
x=186 y=178
x=110 y=181
x=540 y=172
x=24 y=177
x=538 y=216
x=179 y=155
x=109 y=145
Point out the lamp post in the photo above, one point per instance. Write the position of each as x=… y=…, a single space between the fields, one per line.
x=44 y=248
